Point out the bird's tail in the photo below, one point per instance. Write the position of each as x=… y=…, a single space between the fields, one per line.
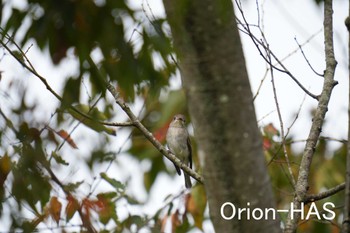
x=188 y=183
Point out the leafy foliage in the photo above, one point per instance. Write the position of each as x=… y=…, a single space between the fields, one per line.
x=110 y=42
x=328 y=172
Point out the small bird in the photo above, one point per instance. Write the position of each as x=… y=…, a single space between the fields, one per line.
x=179 y=144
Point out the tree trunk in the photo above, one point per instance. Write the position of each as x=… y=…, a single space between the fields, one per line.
x=221 y=107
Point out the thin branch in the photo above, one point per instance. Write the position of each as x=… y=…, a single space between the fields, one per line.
x=307 y=60
x=343 y=141
x=315 y=197
x=316 y=127
x=32 y=70
x=86 y=224
x=118 y=124
x=302 y=45
x=77 y=125
x=94 y=187
x=261 y=83
x=281 y=121
x=283 y=59
x=286 y=135
x=346 y=211
x=259 y=43
x=296 y=116
x=156 y=27
x=136 y=122
x=92 y=190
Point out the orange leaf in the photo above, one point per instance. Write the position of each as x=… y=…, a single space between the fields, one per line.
x=196 y=202
x=63 y=134
x=266 y=143
x=35 y=222
x=160 y=133
x=55 y=209
x=5 y=168
x=270 y=130
x=163 y=223
x=175 y=221
x=71 y=207
x=105 y=208
x=87 y=205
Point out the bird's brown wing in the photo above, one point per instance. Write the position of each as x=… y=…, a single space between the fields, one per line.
x=178 y=170
x=190 y=149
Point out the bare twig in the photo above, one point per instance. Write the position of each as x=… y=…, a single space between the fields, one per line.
x=296 y=116
x=283 y=59
x=301 y=45
x=261 y=43
x=280 y=120
x=118 y=124
x=307 y=60
x=343 y=141
x=325 y=194
x=286 y=135
x=261 y=83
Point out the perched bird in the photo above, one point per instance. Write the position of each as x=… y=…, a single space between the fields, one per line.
x=179 y=144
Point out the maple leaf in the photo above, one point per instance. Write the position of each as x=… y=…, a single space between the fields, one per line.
x=72 y=207
x=66 y=136
x=55 y=209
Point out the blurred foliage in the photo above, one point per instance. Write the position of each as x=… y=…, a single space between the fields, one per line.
x=135 y=53
x=85 y=26
x=318 y=2
x=327 y=171
x=111 y=42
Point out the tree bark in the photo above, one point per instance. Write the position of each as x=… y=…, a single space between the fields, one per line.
x=302 y=184
x=346 y=219
x=220 y=103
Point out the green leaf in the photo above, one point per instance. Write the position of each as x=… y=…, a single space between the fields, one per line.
x=71 y=92
x=29 y=182
x=71 y=187
x=58 y=158
x=120 y=187
x=196 y=204
x=106 y=207
x=93 y=113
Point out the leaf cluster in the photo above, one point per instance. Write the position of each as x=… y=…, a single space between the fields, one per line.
x=110 y=42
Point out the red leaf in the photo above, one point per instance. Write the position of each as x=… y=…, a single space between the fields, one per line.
x=267 y=143
x=72 y=207
x=87 y=206
x=5 y=168
x=163 y=223
x=175 y=221
x=35 y=222
x=63 y=134
x=160 y=133
x=270 y=130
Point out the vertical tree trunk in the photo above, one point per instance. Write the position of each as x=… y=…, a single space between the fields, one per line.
x=346 y=220
x=220 y=103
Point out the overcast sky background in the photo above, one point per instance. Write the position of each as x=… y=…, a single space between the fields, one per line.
x=283 y=21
